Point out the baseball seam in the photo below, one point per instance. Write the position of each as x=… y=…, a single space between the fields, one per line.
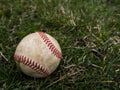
x=32 y=64
x=50 y=45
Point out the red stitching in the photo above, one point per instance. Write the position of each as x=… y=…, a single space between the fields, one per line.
x=37 y=67
x=51 y=46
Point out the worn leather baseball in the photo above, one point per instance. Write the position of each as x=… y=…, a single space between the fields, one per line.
x=38 y=54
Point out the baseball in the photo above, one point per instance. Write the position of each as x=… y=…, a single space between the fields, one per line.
x=38 y=54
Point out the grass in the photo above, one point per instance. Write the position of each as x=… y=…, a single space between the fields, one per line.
x=88 y=32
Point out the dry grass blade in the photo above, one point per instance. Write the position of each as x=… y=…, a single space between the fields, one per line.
x=3 y=56
x=62 y=78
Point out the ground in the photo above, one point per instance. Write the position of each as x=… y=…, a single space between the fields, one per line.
x=88 y=32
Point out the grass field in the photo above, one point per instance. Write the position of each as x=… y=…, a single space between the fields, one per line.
x=88 y=32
